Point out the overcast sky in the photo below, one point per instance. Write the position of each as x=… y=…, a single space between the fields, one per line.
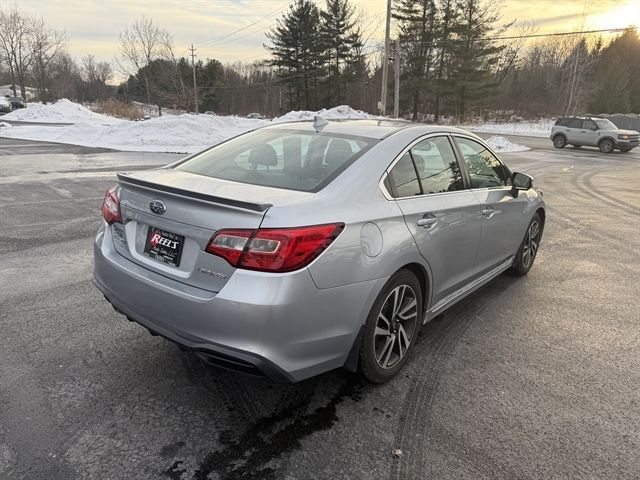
x=93 y=25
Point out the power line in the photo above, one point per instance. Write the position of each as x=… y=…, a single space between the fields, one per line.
x=226 y=36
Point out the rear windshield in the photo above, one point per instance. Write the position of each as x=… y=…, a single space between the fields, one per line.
x=291 y=159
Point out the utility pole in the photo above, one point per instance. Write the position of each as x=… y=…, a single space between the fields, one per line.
x=396 y=65
x=195 y=86
x=385 y=65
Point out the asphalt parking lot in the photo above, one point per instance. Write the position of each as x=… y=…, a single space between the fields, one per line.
x=530 y=378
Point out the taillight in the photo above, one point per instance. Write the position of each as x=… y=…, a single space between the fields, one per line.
x=111 y=207
x=273 y=249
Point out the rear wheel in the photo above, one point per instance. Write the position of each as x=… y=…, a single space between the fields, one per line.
x=528 y=248
x=391 y=328
x=559 y=141
x=606 y=146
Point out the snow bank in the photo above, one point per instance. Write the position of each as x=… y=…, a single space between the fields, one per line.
x=62 y=111
x=184 y=133
x=341 y=112
x=539 y=128
x=4 y=125
x=503 y=145
x=180 y=134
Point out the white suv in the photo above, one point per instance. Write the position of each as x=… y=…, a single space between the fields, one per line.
x=592 y=132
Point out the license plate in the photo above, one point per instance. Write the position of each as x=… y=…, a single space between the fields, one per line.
x=163 y=246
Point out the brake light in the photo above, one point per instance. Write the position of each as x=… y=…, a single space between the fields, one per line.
x=273 y=249
x=111 y=207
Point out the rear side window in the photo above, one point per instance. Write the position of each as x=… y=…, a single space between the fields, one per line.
x=588 y=125
x=562 y=122
x=485 y=170
x=403 y=178
x=290 y=159
x=429 y=167
x=575 y=123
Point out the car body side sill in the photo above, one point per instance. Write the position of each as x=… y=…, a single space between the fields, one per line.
x=453 y=298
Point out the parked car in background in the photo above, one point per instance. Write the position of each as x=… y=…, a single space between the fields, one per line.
x=303 y=247
x=210 y=112
x=16 y=102
x=592 y=132
x=5 y=105
x=255 y=115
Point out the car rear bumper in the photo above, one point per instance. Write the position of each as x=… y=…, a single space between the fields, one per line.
x=279 y=325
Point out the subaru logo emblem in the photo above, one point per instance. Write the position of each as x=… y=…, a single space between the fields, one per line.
x=157 y=207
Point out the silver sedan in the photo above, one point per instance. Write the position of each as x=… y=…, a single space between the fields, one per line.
x=299 y=248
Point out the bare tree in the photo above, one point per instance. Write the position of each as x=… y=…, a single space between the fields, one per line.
x=47 y=45
x=140 y=44
x=15 y=34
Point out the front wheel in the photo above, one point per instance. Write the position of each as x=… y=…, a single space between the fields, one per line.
x=559 y=141
x=606 y=146
x=528 y=248
x=391 y=328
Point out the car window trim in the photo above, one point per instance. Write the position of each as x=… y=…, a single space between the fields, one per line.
x=389 y=195
x=464 y=165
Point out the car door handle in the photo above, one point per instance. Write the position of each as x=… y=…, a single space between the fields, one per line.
x=488 y=212
x=428 y=220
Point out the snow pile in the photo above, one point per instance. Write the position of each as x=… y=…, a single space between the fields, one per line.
x=503 y=145
x=184 y=133
x=62 y=111
x=341 y=112
x=180 y=134
x=4 y=125
x=539 y=128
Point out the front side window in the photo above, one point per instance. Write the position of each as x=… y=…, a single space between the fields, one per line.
x=290 y=159
x=437 y=167
x=604 y=124
x=428 y=167
x=485 y=170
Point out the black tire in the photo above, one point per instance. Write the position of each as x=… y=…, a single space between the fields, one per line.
x=559 y=141
x=523 y=261
x=606 y=145
x=381 y=352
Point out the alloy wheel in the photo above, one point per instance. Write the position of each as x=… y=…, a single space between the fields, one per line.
x=531 y=242
x=395 y=326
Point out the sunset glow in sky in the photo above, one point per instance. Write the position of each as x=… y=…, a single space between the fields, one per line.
x=93 y=25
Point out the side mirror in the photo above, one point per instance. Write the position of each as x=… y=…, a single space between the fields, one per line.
x=520 y=181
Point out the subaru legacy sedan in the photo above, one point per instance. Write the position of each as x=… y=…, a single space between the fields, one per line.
x=299 y=248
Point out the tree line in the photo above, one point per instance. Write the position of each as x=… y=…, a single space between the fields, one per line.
x=456 y=62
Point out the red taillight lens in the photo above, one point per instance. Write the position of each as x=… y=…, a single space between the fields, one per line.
x=229 y=244
x=273 y=249
x=111 y=207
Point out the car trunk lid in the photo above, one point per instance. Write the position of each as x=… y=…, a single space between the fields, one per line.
x=169 y=216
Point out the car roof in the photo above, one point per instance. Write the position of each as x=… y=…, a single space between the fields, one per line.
x=370 y=128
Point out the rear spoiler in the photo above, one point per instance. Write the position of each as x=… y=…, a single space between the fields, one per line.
x=256 y=207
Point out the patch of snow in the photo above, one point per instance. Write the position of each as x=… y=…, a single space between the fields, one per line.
x=503 y=145
x=4 y=125
x=62 y=111
x=341 y=112
x=539 y=128
x=5 y=90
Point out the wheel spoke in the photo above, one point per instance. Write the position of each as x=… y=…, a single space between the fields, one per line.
x=392 y=342
x=397 y=299
x=402 y=337
x=385 y=320
x=406 y=309
x=381 y=331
